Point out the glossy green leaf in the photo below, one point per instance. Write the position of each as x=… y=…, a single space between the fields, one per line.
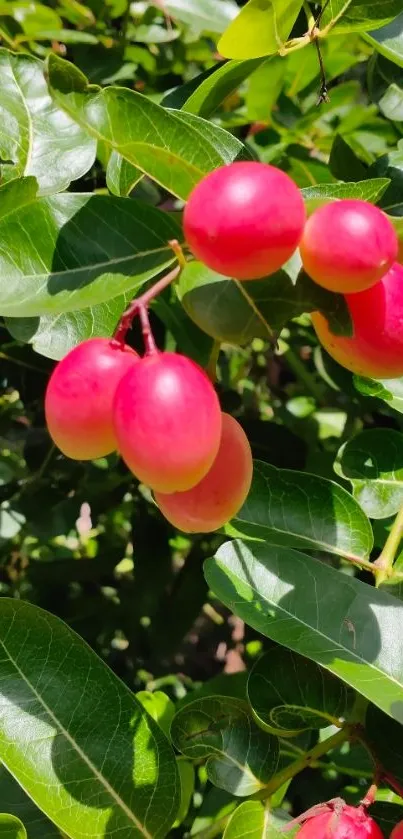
x=390 y=165
x=386 y=738
x=121 y=176
x=159 y=706
x=11 y=827
x=70 y=251
x=15 y=801
x=373 y=462
x=388 y=40
x=31 y=16
x=261 y=28
x=306 y=511
x=238 y=312
x=40 y=140
x=54 y=335
x=369 y=190
x=240 y=757
x=389 y=390
x=209 y=95
x=252 y=820
x=291 y=598
x=173 y=148
x=216 y=807
x=202 y=15
x=76 y=738
x=290 y=694
x=359 y=15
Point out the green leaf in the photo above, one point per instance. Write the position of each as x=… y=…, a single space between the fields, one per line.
x=11 y=827
x=251 y=820
x=31 y=17
x=15 y=800
x=369 y=190
x=187 y=779
x=261 y=28
x=390 y=165
x=202 y=15
x=159 y=706
x=389 y=40
x=290 y=694
x=209 y=95
x=358 y=15
x=237 y=312
x=121 y=176
x=75 y=736
x=291 y=598
x=54 y=335
x=71 y=251
x=304 y=511
x=240 y=757
x=373 y=462
x=344 y=163
x=40 y=140
x=389 y=390
x=173 y=148
x=386 y=738
x=214 y=811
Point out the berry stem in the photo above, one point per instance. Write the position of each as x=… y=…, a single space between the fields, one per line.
x=384 y=564
x=140 y=305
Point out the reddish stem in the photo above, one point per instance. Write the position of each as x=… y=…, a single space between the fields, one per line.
x=392 y=782
x=139 y=307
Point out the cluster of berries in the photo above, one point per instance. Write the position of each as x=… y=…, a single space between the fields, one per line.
x=246 y=220
x=162 y=414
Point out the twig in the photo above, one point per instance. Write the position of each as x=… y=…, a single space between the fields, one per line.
x=384 y=564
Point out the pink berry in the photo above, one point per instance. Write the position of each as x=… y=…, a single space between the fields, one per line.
x=376 y=348
x=220 y=494
x=397 y=832
x=348 y=246
x=79 y=398
x=244 y=220
x=167 y=421
x=350 y=823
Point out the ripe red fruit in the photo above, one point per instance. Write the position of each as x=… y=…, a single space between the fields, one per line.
x=244 y=220
x=349 y=823
x=397 y=832
x=376 y=348
x=348 y=245
x=79 y=398
x=167 y=421
x=221 y=493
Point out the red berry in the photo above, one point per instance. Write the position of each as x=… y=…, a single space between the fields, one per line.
x=397 y=832
x=167 y=421
x=221 y=493
x=349 y=823
x=347 y=246
x=376 y=348
x=79 y=398
x=244 y=220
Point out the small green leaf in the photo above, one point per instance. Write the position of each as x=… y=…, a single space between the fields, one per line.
x=40 y=140
x=82 y=249
x=304 y=511
x=187 y=780
x=358 y=15
x=373 y=462
x=291 y=598
x=76 y=738
x=203 y=15
x=159 y=706
x=173 y=148
x=253 y=821
x=240 y=757
x=11 y=827
x=261 y=28
x=344 y=163
x=290 y=694
x=121 y=176
x=217 y=86
x=389 y=390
